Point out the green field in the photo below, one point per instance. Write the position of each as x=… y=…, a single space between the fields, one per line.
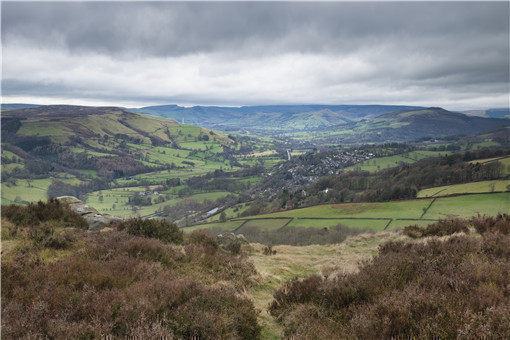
x=226 y=226
x=380 y=163
x=376 y=216
x=360 y=224
x=265 y=224
x=115 y=201
x=396 y=209
x=469 y=205
x=472 y=188
x=31 y=190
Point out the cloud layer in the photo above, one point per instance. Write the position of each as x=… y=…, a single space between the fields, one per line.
x=437 y=54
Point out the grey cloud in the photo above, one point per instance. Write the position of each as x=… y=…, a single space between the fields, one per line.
x=180 y=28
x=226 y=52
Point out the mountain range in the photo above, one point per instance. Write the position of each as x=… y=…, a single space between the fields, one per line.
x=335 y=123
x=272 y=118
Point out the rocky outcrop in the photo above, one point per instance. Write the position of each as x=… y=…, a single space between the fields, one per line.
x=94 y=219
x=231 y=241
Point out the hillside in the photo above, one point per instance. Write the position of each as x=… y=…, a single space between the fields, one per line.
x=490 y=113
x=411 y=125
x=333 y=124
x=16 y=106
x=60 y=150
x=92 y=283
x=272 y=118
x=62 y=122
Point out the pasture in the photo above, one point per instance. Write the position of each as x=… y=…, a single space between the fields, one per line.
x=378 y=216
x=472 y=188
x=381 y=163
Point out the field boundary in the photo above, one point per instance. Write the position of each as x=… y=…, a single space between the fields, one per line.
x=387 y=224
x=287 y=223
x=240 y=226
x=428 y=207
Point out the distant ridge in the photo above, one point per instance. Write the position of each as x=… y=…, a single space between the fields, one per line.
x=17 y=106
x=273 y=117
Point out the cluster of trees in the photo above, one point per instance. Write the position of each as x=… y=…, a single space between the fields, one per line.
x=139 y=200
x=58 y=188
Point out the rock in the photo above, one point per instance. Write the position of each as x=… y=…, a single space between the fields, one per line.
x=94 y=219
x=229 y=241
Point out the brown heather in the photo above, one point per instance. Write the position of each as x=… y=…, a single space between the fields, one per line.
x=35 y=213
x=458 y=287
x=113 y=284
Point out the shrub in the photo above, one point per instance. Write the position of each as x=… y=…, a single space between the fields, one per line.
x=59 y=241
x=160 y=229
x=440 y=228
x=199 y=237
x=234 y=248
x=268 y=250
x=499 y=223
x=297 y=236
x=123 y=286
x=438 y=289
x=35 y=213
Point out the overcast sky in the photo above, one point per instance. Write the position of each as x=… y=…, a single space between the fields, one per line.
x=454 y=55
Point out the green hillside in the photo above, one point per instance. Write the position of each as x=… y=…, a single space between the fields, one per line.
x=121 y=162
x=405 y=126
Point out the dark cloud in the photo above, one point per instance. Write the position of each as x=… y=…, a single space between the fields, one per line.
x=229 y=47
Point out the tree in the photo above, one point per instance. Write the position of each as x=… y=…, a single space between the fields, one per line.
x=223 y=217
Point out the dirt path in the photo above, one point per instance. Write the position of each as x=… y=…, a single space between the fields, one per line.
x=292 y=261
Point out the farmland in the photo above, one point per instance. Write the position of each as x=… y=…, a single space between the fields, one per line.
x=190 y=174
x=380 y=216
x=473 y=187
x=381 y=163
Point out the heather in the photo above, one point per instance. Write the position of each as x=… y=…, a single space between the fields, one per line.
x=60 y=283
x=450 y=287
x=53 y=211
x=160 y=229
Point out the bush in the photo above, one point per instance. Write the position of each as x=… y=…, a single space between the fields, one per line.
x=234 y=248
x=123 y=286
x=300 y=236
x=59 y=241
x=35 y=213
x=482 y=224
x=499 y=224
x=199 y=237
x=268 y=250
x=160 y=229
x=440 y=228
x=454 y=288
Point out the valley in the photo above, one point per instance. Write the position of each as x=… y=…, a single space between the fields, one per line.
x=306 y=203
x=128 y=164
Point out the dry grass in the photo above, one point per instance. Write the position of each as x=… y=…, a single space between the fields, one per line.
x=301 y=261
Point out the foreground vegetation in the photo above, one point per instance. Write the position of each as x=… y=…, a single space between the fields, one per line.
x=60 y=283
x=147 y=279
x=438 y=288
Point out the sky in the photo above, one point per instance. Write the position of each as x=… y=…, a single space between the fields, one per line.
x=454 y=55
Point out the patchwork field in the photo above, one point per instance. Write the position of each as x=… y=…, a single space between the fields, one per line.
x=378 y=216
